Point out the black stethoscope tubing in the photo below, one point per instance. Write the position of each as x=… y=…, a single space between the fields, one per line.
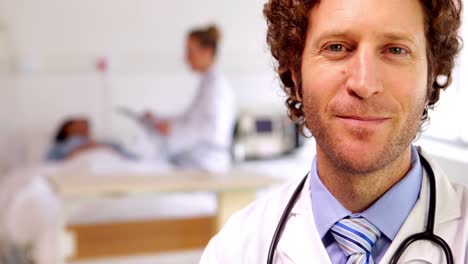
x=428 y=234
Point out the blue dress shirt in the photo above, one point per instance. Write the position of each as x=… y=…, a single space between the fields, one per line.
x=388 y=213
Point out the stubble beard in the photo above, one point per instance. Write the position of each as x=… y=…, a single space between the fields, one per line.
x=347 y=162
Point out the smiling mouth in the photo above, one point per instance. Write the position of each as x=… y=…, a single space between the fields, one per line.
x=363 y=120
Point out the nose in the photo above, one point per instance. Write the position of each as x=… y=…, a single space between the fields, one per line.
x=364 y=78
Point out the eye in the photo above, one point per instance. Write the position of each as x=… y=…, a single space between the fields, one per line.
x=335 y=48
x=397 y=50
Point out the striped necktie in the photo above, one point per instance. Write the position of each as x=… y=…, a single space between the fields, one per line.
x=356 y=237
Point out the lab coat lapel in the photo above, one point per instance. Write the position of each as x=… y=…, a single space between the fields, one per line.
x=300 y=242
x=447 y=209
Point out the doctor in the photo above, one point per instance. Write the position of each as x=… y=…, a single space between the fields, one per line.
x=201 y=137
x=361 y=76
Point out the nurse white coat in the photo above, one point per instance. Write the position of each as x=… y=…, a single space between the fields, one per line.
x=247 y=235
x=201 y=137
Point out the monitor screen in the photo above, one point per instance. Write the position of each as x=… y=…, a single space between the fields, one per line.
x=264 y=126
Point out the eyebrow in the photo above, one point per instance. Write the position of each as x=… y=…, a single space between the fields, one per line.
x=395 y=36
x=333 y=34
x=399 y=37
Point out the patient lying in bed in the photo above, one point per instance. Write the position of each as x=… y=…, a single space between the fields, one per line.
x=74 y=137
x=32 y=212
x=33 y=216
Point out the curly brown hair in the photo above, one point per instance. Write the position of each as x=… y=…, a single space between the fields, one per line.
x=287 y=22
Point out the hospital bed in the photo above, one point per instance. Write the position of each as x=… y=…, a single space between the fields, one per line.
x=116 y=207
x=203 y=203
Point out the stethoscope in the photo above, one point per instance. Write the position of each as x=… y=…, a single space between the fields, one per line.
x=428 y=234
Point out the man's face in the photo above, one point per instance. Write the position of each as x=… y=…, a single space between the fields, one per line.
x=364 y=74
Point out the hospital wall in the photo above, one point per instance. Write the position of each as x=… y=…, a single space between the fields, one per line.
x=49 y=51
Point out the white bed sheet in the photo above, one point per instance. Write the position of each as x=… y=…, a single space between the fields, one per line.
x=143 y=207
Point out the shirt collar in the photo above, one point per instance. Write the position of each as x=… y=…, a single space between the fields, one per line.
x=388 y=213
x=211 y=72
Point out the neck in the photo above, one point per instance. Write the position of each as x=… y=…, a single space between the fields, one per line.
x=206 y=67
x=357 y=192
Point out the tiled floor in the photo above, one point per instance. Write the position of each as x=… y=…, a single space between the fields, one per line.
x=186 y=257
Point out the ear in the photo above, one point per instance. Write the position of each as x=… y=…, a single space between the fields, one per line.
x=296 y=85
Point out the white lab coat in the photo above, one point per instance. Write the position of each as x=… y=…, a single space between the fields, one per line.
x=202 y=136
x=247 y=236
